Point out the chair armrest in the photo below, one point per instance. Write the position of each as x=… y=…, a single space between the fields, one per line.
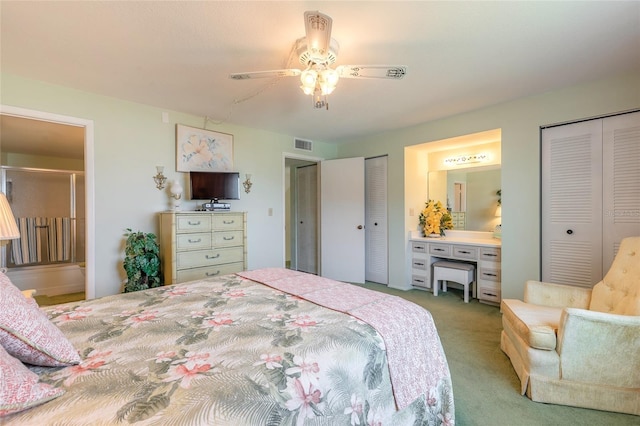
x=598 y=347
x=556 y=295
x=29 y=293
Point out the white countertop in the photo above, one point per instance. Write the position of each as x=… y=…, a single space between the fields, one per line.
x=474 y=238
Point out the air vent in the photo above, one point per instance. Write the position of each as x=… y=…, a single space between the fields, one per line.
x=303 y=144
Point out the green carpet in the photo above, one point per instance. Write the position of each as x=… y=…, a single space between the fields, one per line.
x=485 y=387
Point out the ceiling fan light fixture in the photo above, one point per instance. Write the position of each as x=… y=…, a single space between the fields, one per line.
x=308 y=78
x=328 y=80
x=317 y=52
x=308 y=90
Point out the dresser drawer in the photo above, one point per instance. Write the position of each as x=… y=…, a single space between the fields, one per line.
x=440 y=249
x=465 y=252
x=193 y=223
x=194 y=241
x=192 y=259
x=228 y=221
x=489 y=274
x=419 y=281
x=489 y=294
x=418 y=247
x=208 y=272
x=419 y=264
x=228 y=238
x=490 y=253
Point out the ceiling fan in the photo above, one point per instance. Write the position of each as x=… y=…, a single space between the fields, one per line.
x=317 y=52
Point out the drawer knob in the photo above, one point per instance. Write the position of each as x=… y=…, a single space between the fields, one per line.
x=228 y=238
x=213 y=257
x=195 y=241
x=194 y=223
x=465 y=252
x=418 y=263
x=488 y=274
x=228 y=222
x=490 y=254
x=212 y=274
x=438 y=249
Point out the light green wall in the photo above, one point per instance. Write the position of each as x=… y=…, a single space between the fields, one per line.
x=520 y=122
x=130 y=140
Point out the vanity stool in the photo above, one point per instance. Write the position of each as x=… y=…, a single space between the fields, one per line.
x=461 y=273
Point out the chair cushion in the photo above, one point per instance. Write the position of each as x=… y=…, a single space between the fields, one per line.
x=619 y=291
x=454 y=265
x=536 y=325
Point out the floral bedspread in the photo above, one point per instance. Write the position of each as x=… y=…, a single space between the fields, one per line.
x=227 y=351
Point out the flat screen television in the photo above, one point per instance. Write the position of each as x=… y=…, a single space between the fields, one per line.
x=215 y=185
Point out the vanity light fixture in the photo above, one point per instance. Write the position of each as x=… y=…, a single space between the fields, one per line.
x=466 y=159
x=247 y=183
x=160 y=179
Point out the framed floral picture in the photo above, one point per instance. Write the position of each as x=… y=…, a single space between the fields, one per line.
x=203 y=150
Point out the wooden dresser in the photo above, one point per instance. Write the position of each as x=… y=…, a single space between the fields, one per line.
x=197 y=245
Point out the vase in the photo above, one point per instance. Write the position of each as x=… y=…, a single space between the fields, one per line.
x=434 y=235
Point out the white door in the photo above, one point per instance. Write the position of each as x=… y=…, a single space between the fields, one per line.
x=342 y=219
x=307 y=219
x=571 y=201
x=621 y=182
x=376 y=231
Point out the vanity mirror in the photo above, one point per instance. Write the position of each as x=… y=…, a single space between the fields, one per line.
x=470 y=193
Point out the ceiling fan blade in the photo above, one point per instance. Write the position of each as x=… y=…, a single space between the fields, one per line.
x=318 y=34
x=395 y=72
x=266 y=74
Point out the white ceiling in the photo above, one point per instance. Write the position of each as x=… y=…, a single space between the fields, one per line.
x=460 y=56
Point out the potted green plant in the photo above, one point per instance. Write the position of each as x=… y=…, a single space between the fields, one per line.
x=141 y=261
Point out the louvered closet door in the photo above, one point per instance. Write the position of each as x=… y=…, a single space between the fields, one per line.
x=376 y=232
x=571 y=201
x=621 y=169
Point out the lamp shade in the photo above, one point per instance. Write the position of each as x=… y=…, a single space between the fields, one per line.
x=8 y=228
x=175 y=188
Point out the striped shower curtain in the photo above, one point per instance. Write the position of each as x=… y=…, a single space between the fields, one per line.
x=59 y=239
x=32 y=243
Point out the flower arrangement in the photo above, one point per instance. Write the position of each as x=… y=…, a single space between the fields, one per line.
x=434 y=218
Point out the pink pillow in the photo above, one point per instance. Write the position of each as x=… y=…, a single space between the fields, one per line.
x=27 y=334
x=19 y=387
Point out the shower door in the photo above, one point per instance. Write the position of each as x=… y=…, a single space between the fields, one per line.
x=49 y=208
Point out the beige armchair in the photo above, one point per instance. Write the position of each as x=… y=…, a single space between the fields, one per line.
x=578 y=346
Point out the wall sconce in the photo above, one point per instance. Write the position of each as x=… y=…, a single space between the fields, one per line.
x=160 y=178
x=176 y=194
x=247 y=184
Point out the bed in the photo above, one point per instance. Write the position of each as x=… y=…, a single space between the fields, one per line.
x=264 y=347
